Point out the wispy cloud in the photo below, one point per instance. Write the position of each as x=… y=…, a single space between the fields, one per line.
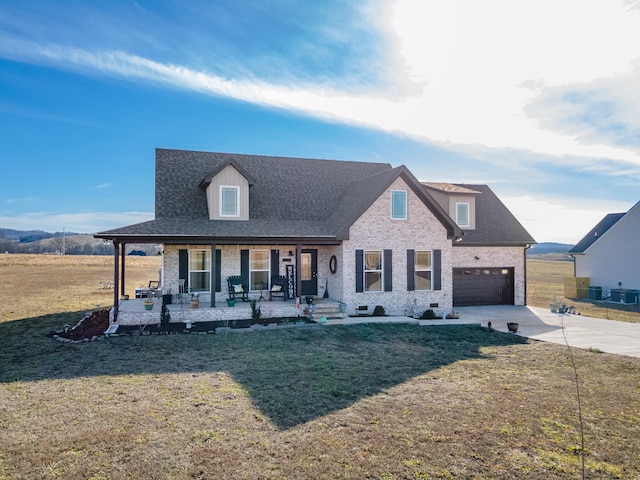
x=22 y=200
x=503 y=84
x=553 y=218
x=543 y=92
x=103 y=185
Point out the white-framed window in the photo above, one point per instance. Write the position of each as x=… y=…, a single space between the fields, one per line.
x=259 y=261
x=422 y=269
x=199 y=270
x=462 y=214
x=372 y=271
x=229 y=201
x=398 y=204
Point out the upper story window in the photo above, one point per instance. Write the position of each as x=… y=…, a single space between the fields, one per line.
x=229 y=200
x=398 y=204
x=462 y=214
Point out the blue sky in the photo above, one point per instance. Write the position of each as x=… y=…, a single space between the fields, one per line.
x=538 y=99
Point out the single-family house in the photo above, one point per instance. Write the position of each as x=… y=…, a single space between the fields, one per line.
x=359 y=233
x=609 y=257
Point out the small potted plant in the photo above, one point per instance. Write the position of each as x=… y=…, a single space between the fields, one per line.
x=195 y=300
x=148 y=304
x=230 y=302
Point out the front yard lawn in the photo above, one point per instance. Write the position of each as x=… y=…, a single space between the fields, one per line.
x=362 y=401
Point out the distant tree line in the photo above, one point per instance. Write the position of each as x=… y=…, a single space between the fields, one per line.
x=55 y=247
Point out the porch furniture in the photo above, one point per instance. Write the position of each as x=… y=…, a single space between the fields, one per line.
x=237 y=291
x=278 y=287
x=154 y=288
x=180 y=296
x=149 y=291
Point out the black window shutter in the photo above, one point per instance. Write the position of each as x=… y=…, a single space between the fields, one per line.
x=244 y=268
x=437 y=270
x=411 y=271
x=275 y=263
x=218 y=271
x=388 y=270
x=359 y=270
x=183 y=267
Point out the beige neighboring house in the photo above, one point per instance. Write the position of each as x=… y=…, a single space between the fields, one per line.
x=358 y=233
x=609 y=256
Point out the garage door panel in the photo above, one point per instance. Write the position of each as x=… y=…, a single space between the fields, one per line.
x=483 y=286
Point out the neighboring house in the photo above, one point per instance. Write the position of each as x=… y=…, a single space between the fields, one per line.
x=370 y=233
x=609 y=256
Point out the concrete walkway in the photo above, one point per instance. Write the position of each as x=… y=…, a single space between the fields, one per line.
x=608 y=336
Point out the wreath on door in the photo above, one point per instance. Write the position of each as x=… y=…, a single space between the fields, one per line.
x=333 y=264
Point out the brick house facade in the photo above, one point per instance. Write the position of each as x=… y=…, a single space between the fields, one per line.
x=368 y=233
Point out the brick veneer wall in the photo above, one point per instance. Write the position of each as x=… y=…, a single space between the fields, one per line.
x=489 y=257
x=375 y=230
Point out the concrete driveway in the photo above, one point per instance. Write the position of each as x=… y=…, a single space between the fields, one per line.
x=609 y=336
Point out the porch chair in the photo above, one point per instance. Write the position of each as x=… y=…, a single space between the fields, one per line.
x=154 y=287
x=180 y=296
x=278 y=287
x=237 y=289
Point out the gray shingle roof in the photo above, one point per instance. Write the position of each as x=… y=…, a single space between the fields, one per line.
x=495 y=224
x=285 y=188
x=295 y=199
x=290 y=197
x=596 y=232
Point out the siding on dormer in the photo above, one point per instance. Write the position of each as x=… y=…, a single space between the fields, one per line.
x=471 y=200
x=229 y=177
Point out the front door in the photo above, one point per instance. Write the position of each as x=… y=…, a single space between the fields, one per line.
x=309 y=272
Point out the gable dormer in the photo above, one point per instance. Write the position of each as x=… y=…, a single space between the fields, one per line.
x=458 y=201
x=227 y=190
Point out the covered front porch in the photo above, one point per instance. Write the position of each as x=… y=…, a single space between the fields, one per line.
x=306 y=270
x=132 y=312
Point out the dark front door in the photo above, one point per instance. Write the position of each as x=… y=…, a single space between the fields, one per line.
x=309 y=272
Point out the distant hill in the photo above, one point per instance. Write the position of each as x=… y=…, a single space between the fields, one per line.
x=26 y=236
x=549 y=247
x=38 y=241
x=550 y=251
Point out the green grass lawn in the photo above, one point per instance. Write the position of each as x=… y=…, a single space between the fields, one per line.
x=363 y=401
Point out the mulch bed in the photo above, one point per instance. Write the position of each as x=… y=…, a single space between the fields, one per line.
x=89 y=327
x=98 y=321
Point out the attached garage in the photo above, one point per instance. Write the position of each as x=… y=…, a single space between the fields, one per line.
x=483 y=286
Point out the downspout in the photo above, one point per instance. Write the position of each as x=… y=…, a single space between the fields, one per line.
x=122 y=286
x=212 y=280
x=116 y=279
x=298 y=262
x=527 y=247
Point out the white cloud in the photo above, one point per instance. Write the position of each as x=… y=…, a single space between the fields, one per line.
x=555 y=219
x=86 y=222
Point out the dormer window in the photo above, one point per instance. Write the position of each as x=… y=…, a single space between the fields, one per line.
x=462 y=214
x=229 y=201
x=398 y=204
